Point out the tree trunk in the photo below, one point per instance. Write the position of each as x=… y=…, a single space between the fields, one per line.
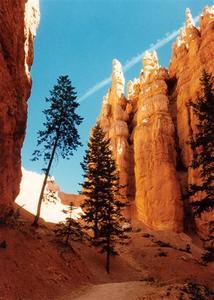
x=35 y=222
x=108 y=239
x=67 y=239
x=108 y=258
x=68 y=233
x=96 y=225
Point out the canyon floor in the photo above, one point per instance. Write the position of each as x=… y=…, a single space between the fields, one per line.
x=153 y=265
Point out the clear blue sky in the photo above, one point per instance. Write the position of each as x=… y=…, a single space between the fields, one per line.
x=80 y=38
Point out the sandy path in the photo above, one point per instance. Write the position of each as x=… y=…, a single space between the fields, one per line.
x=131 y=290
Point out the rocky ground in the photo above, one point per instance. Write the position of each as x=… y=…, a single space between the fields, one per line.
x=154 y=265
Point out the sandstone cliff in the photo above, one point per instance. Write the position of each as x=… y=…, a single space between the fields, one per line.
x=193 y=52
x=114 y=120
x=150 y=127
x=18 y=23
x=158 y=194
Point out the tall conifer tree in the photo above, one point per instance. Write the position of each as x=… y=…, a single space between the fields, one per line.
x=59 y=136
x=202 y=145
x=102 y=205
x=94 y=167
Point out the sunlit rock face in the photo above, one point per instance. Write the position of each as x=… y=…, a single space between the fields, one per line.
x=149 y=128
x=55 y=201
x=142 y=137
x=113 y=119
x=158 y=194
x=192 y=52
x=18 y=23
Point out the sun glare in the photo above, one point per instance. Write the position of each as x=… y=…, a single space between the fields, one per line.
x=28 y=199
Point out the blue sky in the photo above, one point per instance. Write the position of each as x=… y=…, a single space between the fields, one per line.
x=80 y=38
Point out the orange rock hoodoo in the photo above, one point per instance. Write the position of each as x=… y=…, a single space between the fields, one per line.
x=18 y=23
x=149 y=128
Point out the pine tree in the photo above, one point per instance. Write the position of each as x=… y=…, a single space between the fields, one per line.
x=113 y=225
x=202 y=145
x=94 y=170
x=60 y=136
x=102 y=205
x=70 y=229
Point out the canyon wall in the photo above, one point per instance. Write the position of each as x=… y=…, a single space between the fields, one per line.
x=158 y=194
x=114 y=120
x=193 y=52
x=18 y=22
x=149 y=128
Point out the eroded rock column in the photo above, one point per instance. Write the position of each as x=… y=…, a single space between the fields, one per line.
x=158 y=195
x=192 y=52
x=113 y=119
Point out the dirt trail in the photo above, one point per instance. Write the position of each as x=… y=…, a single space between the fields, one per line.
x=151 y=266
x=131 y=290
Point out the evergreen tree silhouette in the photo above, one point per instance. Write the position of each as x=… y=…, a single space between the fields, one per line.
x=103 y=205
x=202 y=145
x=70 y=229
x=60 y=136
